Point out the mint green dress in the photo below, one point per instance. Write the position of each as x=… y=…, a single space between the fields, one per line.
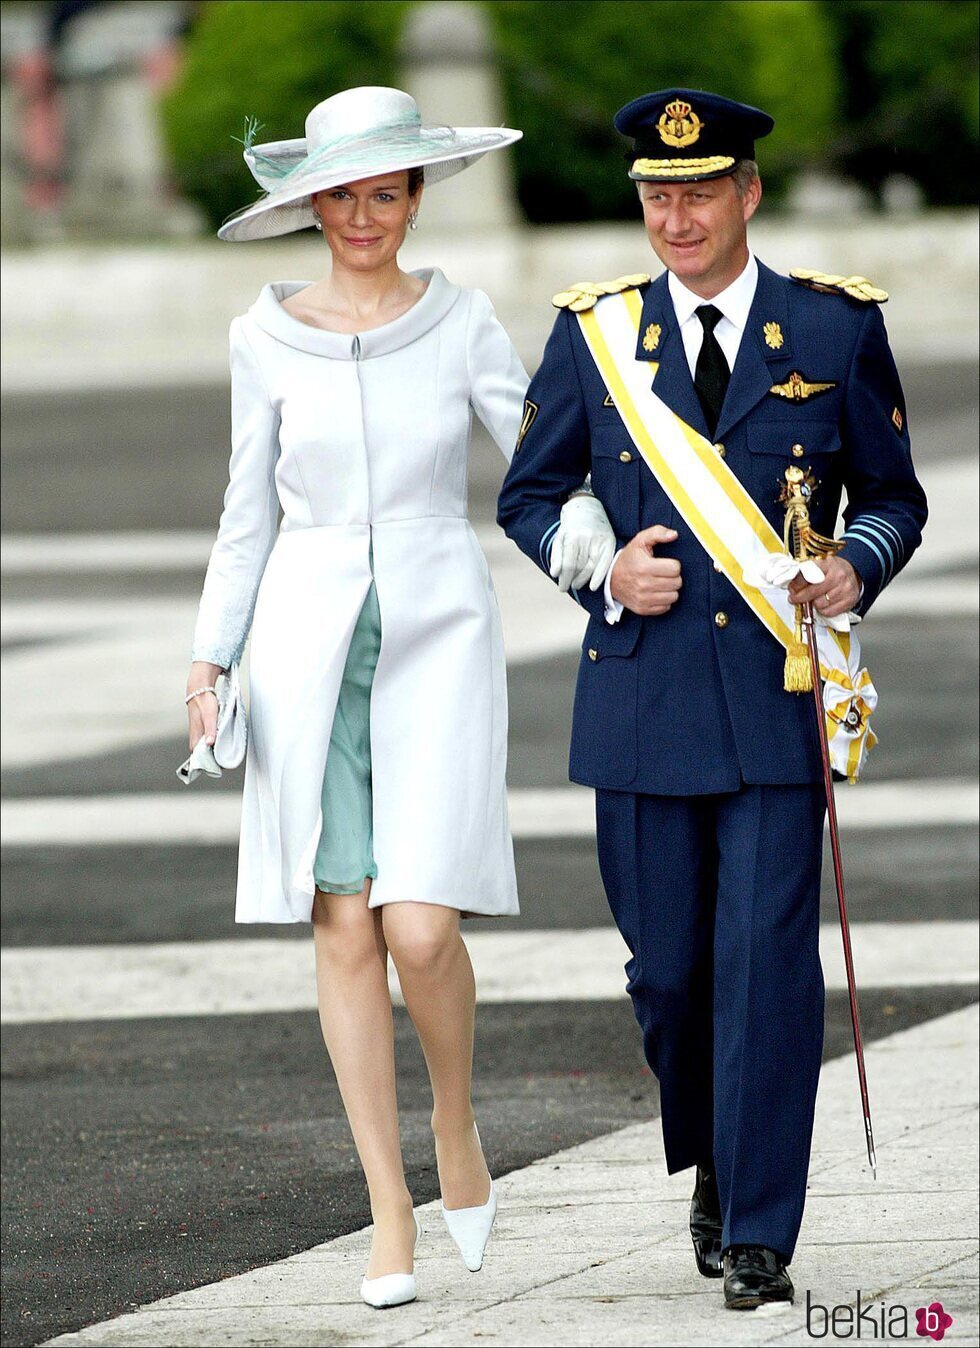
x=345 y=855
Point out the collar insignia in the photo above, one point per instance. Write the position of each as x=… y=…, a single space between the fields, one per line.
x=897 y=420
x=678 y=125
x=651 y=338
x=797 y=389
x=773 y=334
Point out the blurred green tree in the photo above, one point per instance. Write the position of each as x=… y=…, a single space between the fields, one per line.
x=912 y=94
x=273 y=61
x=568 y=66
x=866 y=87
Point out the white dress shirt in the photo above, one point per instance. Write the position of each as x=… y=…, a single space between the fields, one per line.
x=734 y=302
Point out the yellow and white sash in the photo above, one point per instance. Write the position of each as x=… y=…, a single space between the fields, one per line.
x=725 y=520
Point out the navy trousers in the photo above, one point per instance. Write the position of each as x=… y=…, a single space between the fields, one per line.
x=717 y=898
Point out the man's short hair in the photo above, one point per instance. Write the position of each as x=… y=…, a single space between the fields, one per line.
x=744 y=172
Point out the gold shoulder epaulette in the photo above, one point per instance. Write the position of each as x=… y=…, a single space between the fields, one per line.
x=858 y=287
x=584 y=294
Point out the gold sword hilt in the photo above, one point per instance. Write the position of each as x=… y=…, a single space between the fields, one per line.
x=801 y=540
x=802 y=543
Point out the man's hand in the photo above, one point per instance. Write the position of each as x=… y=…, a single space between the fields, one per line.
x=646 y=584
x=833 y=596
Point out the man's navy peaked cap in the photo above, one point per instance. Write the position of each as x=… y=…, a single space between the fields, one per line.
x=687 y=135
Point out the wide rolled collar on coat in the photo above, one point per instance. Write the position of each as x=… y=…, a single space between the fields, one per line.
x=438 y=298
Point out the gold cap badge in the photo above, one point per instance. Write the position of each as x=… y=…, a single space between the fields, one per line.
x=773 y=334
x=678 y=125
x=651 y=338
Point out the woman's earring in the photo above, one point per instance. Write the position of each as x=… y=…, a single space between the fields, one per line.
x=317 y=223
x=413 y=220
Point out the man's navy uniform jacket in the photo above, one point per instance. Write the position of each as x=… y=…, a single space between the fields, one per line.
x=692 y=702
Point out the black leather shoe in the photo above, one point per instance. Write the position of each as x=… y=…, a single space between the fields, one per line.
x=706 y=1224
x=754 y=1276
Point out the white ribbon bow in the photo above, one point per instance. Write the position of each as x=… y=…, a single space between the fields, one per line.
x=779 y=570
x=849 y=696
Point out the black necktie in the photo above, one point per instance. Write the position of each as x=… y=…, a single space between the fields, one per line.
x=711 y=373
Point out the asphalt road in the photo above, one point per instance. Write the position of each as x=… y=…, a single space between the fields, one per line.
x=145 y=1156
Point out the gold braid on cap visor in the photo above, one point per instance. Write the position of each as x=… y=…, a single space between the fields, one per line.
x=678 y=168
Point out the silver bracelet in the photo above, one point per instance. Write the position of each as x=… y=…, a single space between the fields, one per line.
x=198 y=691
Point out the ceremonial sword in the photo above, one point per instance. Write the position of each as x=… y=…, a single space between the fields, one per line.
x=803 y=675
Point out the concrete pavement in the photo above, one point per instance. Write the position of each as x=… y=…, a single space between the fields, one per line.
x=591 y=1245
x=157 y=315
x=149 y=1154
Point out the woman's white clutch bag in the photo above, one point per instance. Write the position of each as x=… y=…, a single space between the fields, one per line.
x=231 y=736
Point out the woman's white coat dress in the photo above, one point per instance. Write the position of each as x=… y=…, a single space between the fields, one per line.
x=362 y=442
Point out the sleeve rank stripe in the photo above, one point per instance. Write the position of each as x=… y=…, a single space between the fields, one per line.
x=876 y=542
x=886 y=524
x=870 y=525
x=544 y=547
x=869 y=540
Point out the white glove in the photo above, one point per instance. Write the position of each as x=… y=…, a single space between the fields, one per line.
x=776 y=572
x=584 y=546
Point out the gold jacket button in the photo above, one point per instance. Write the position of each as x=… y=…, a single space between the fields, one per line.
x=721 y=619
x=626 y=457
x=720 y=450
x=797 y=451
x=593 y=655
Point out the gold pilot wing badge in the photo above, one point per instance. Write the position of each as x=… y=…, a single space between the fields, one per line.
x=797 y=389
x=773 y=334
x=678 y=125
x=651 y=338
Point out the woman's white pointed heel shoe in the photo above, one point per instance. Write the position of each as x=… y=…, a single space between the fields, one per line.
x=391 y=1289
x=470 y=1229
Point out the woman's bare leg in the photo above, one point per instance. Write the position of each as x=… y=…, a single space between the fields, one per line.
x=437 y=982
x=355 y=1017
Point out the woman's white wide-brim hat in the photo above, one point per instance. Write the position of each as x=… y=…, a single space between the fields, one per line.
x=359 y=133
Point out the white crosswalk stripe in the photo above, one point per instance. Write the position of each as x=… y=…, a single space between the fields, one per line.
x=198 y=818
x=215 y=978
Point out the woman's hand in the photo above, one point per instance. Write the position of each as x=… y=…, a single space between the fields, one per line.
x=202 y=711
x=584 y=545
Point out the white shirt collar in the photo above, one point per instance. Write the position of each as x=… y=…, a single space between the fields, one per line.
x=734 y=301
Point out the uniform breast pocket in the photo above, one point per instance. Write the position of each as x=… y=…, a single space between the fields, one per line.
x=796 y=441
x=801 y=442
x=616 y=468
